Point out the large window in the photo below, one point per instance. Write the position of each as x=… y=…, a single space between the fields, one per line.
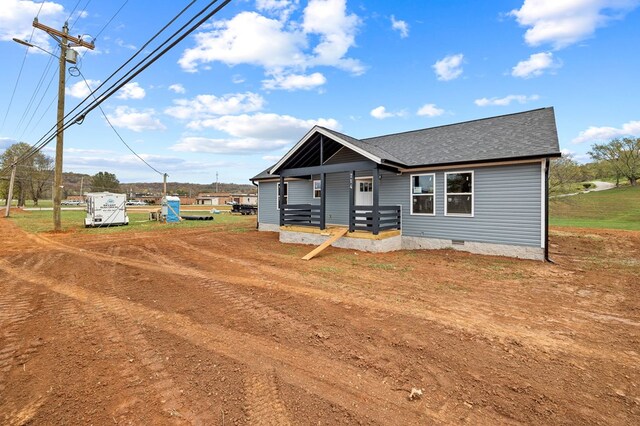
x=317 y=189
x=286 y=194
x=458 y=194
x=423 y=194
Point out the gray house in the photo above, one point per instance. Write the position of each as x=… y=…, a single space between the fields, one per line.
x=479 y=186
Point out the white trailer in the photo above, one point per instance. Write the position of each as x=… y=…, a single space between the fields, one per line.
x=106 y=209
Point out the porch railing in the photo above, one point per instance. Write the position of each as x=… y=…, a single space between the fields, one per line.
x=300 y=214
x=362 y=218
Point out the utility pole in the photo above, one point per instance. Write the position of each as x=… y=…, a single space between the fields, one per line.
x=66 y=42
x=10 y=194
x=81 y=185
x=164 y=185
x=217 y=183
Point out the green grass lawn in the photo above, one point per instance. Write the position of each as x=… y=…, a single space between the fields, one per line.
x=617 y=208
x=73 y=221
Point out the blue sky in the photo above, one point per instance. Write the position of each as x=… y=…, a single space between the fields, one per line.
x=237 y=94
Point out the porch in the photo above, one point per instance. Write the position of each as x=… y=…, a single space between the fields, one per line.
x=369 y=219
x=384 y=241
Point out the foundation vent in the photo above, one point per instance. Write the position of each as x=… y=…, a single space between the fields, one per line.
x=457 y=242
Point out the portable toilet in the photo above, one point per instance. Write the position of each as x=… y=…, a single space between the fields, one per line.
x=105 y=209
x=171 y=209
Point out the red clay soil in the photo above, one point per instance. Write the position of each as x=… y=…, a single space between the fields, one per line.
x=227 y=326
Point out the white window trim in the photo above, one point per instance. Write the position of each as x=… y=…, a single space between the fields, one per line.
x=278 y=194
x=472 y=193
x=411 y=194
x=313 y=189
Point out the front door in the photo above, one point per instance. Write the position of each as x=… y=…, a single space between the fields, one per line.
x=364 y=192
x=363 y=197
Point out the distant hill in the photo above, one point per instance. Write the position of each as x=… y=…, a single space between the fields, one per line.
x=73 y=182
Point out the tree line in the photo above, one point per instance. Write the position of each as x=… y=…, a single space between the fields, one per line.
x=618 y=159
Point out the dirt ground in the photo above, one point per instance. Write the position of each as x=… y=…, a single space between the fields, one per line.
x=226 y=326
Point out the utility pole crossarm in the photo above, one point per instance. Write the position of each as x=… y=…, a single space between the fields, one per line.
x=76 y=41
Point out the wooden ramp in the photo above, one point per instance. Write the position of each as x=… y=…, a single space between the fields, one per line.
x=335 y=237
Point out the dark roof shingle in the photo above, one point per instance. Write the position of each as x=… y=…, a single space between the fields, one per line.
x=528 y=134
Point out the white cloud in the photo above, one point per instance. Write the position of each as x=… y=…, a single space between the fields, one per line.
x=337 y=30
x=401 y=26
x=521 y=99
x=565 y=22
x=6 y=143
x=247 y=38
x=280 y=8
x=264 y=126
x=136 y=120
x=227 y=146
x=381 y=113
x=127 y=164
x=535 y=65
x=80 y=90
x=279 y=44
x=177 y=88
x=272 y=158
x=449 y=67
x=430 y=110
x=294 y=81
x=129 y=46
x=204 y=106
x=16 y=17
x=603 y=134
x=131 y=91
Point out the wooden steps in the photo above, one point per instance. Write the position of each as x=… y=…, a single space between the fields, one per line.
x=336 y=236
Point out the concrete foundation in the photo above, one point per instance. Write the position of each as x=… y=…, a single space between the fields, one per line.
x=269 y=227
x=522 y=252
x=392 y=243
x=393 y=240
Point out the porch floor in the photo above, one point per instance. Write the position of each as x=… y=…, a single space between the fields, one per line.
x=356 y=234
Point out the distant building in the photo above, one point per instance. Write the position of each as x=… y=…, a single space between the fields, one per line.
x=212 y=199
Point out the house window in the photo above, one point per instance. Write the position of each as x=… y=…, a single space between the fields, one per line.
x=423 y=194
x=365 y=186
x=286 y=194
x=458 y=194
x=317 y=189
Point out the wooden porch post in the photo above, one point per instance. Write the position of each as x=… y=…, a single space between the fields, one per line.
x=376 y=201
x=281 y=200
x=323 y=192
x=323 y=200
x=352 y=183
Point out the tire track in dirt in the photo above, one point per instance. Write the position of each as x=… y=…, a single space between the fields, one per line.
x=481 y=324
x=16 y=305
x=158 y=378
x=331 y=380
x=263 y=402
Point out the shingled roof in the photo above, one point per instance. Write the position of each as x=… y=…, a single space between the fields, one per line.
x=529 y=134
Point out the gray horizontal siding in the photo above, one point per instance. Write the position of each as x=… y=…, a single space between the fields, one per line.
x=300 y=192
x=507 y=204
x=507 y=207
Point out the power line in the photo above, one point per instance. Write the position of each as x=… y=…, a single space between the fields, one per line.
x=53 y=75
x=135 y=71
x=15 y=86
x=44 y=140
x=116 y=132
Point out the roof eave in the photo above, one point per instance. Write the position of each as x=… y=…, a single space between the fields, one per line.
x=324 y=132
x=485 y=161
